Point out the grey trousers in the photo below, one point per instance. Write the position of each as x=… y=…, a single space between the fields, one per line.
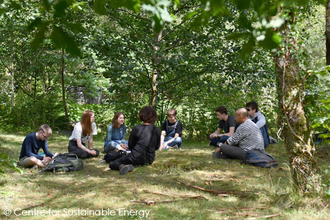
x=230 y=152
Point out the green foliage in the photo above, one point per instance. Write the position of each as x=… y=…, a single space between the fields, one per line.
x=7 y=164
x=327 y=183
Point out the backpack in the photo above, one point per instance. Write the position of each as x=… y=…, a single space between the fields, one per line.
x=64 y=163
x=260 y=159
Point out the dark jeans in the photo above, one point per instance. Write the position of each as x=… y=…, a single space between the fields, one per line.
x=265 y=136
x=73 y=148
x=216 y=140
x=231 y=152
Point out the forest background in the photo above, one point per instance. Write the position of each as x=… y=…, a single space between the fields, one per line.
x=61 y=58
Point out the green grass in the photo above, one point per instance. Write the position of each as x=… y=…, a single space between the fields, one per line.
x=78 y=195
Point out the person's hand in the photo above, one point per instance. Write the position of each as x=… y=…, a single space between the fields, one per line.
x=217 y=150
x=162 y=147
x=47 y=159
x=124 y=146
x=213 y=135
x=92 y=152
x=121 y=149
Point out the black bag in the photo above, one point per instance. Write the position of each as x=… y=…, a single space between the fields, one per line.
x=64 y=163
x=260 y=159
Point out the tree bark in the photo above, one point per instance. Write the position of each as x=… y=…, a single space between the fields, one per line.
x=63 y=89
x=12 y=63
x=297 y=139
x=155 y=63
x=327 y=31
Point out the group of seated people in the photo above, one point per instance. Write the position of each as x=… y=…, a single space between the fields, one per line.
x=246 y=131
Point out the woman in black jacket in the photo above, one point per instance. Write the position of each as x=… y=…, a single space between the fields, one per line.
x=143 y=141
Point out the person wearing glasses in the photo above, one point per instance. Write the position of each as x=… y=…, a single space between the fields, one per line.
x=32 y=143
x=83 y=133
x=258 y=118
x=226 y=123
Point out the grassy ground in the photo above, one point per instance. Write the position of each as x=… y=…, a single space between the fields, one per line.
x=159 y=191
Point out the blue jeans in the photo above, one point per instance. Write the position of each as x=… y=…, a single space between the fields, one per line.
x=112 y=145
x=265 y=136
x=177 y=141
x=216 y=140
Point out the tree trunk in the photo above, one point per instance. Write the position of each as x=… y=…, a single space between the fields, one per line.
x=63 y=90
x=291 y=85
x=155 y=63
x=12 y=63
x=327 y=31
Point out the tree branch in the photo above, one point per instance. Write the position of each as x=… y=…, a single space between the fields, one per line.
x=223 y=193
x=136 y=16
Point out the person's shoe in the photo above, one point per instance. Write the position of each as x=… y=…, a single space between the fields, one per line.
x=212 y=144
x=123 y=169
x=175 y=146
x=219 y=144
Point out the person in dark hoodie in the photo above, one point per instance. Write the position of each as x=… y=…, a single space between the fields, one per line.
x=143 y=141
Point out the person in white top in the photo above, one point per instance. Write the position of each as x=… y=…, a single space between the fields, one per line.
x=259 y=119
x=83 y=133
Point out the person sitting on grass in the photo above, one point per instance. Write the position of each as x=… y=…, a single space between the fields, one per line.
x=83 y=133
x=258 y=118
x=116 y=133
x=247 y=137
x=171 y=131
x=143 y=141
x=226 y=123
x=32 y=144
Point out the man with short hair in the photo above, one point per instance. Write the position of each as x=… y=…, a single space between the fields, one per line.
x=226 y=123
x=247 y=137
x=171 y=131
x=32 y=144
x=258 y=118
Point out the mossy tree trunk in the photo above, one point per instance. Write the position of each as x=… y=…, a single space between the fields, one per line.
x=297 y=138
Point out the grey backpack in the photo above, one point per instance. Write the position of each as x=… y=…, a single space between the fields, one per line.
x=64 y=163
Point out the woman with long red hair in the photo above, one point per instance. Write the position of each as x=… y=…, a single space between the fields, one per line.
x=83 y=133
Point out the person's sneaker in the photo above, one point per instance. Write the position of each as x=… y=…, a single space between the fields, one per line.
x=175 y=146
x=123 y=169
x=219 y=144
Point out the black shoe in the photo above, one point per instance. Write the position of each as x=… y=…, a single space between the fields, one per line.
x=212 y=144
x=123 y=169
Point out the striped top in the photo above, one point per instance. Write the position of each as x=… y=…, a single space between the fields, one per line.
x=247 y=136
